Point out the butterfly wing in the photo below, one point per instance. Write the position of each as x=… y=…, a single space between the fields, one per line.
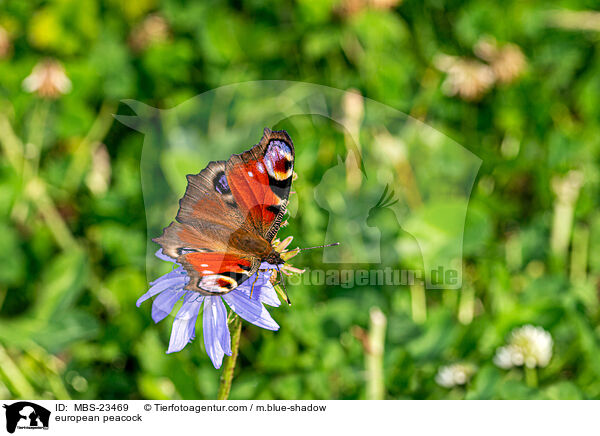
x=260 y=181
x=201 y=238
x=211 y=272
x=229 y=214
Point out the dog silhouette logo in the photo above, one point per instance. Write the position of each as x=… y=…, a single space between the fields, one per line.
x=26 y=415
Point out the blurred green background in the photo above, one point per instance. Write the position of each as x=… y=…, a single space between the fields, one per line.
x=516 y=83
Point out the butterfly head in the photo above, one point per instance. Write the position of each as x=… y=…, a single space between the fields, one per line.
x=274 y=258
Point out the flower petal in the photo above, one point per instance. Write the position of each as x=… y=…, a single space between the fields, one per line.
x=216 y=334
x=163 y=304
x=184 y=325
x=177 y=272
x=267 y=265
x=267 y=295
x=251 y=310
x=223 y=334
x=162 y=284
x=263 y=289
x=283 y=244
x=289 y=270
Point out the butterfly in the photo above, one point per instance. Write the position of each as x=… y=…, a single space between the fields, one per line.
x=229 y=215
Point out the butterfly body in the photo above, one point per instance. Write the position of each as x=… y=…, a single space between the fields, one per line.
x=230 y=214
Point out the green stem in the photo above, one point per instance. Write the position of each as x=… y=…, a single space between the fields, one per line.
x=418 y=303
x=51 y=367
x=35 y=142
x=566 y=190
x=227 y=374
x=466 y=306
x=579 y=254
x=531 y=377
x=35 y=189
x=32 y=152
x=374 y=355
x=83 y=154
x=11 y=144
x=13 y=377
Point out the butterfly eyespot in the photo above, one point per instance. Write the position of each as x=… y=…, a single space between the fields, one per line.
x=220 y=183
x=224 y=283
x=217 y=283
x=279 y=160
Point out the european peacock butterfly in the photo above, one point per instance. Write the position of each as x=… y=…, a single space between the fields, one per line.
x=230 y=214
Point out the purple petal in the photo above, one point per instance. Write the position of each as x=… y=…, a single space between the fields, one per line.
x=177 y=272
x=267 y=295
x=251 y=310
x=267 y=265
x=216 y=334
x=162 y=284
x=184 y=326
x=224 y=336
x=263 y=289
x=163 y=304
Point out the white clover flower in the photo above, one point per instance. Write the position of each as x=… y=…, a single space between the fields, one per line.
x=153 y=29
x=467 y=78
x=528 y=345
x=454 y=375
x=48 y=79
x=507 y=60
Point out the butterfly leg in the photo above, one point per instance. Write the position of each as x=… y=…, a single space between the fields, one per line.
x=253 y=283
x=283 y=294
x=282 y=281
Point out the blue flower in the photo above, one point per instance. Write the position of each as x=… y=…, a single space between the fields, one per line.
x=169 y=289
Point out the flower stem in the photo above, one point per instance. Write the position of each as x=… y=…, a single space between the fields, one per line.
x=579 y=254
x=418 y=303
x=35 y=189
x=13 y=377
x=566 y=190
x=466 y=306
x=82 y=155
x=374 y=355
x=531 y=378
x=227 y=374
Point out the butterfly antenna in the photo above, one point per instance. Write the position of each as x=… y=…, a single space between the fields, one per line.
x=287 y=298
x=319 y=246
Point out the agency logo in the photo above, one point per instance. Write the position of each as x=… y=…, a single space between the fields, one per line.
x=26 y=415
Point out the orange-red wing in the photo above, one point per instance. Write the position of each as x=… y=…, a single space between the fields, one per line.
x=217 y=273
x=260 y=181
